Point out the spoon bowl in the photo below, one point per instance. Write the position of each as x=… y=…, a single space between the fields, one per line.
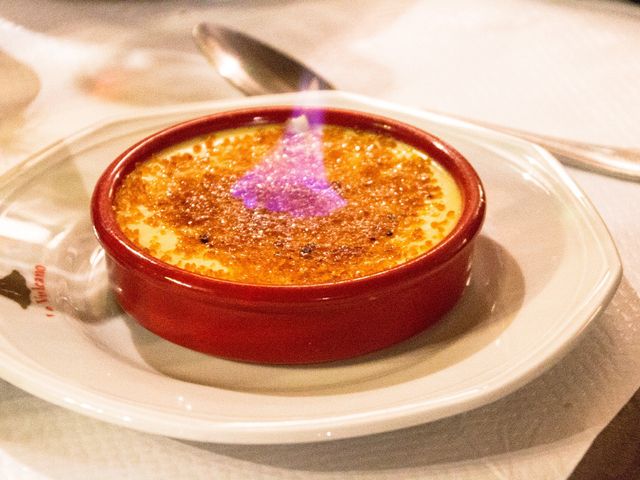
x=251 y=66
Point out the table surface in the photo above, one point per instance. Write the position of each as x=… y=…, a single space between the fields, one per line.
x=567 y=68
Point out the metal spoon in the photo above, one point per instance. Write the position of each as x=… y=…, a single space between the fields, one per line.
x=256 y=69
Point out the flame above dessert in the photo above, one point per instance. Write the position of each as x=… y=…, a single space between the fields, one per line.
x=292 y=178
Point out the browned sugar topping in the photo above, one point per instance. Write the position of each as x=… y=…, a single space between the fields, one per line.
x=395 y=209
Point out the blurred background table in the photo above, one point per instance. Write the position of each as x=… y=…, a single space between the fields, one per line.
x=567 y=68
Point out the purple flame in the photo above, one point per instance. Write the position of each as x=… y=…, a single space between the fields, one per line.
x=292 y=178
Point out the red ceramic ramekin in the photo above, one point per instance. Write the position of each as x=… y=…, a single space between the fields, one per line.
x=289 y=324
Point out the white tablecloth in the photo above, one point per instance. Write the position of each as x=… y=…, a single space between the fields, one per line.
x=568 y=68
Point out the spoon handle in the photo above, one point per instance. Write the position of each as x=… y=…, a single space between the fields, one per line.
x=614 y=161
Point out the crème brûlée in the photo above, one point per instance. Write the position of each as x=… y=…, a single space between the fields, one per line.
x=385 y=202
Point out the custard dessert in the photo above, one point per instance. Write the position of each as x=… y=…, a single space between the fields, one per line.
x=288 y=204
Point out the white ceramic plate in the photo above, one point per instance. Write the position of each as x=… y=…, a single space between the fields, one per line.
x=545 y=266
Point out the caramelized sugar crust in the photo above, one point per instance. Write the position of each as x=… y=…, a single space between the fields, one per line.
x=177 y=206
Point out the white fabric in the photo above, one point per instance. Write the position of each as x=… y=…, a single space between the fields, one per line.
x=568 y=68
